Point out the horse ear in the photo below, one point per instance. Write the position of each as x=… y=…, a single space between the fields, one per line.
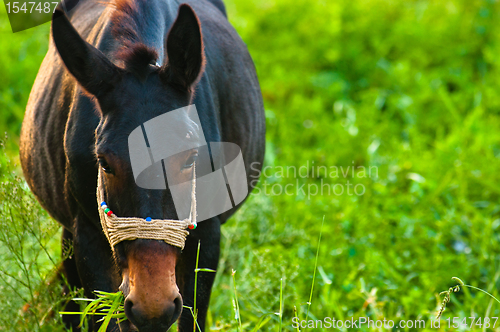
x=184 y=44
x=88 y=65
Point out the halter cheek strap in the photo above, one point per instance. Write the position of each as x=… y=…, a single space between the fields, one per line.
x=118 y=229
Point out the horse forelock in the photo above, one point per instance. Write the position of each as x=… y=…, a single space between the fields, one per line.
x=128 y=19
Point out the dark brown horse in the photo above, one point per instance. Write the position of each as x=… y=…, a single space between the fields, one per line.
x=111 y=66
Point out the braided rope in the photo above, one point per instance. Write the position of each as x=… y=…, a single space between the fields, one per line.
x=173 y=232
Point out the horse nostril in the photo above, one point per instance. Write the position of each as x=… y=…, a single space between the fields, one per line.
x=132 y=314
x=128 y=308
x=178 y=309
x=155 y=322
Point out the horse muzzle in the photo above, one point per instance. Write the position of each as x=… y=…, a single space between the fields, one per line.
x=152 y=298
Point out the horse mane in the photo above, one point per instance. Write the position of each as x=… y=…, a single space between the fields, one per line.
x=127 y=19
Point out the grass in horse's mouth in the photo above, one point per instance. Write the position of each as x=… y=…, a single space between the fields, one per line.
x=107 y=305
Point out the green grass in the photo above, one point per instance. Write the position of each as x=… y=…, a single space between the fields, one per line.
x=107 y=306
x=31 y=293
x=20 y=57
x=409 y=87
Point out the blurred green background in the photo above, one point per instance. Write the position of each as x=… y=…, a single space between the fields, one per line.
x=409 y=87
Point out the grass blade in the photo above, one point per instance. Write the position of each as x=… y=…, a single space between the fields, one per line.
x=194 y=311
x=236 y=302
x=315 y=268
x=281 y=306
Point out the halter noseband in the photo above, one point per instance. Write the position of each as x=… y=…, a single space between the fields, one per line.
x=118 y=229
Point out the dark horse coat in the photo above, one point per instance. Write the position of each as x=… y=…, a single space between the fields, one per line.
x=111 y=66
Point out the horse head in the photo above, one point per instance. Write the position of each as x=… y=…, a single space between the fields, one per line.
x=129 y=91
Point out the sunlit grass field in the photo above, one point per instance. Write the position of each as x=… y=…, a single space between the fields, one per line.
x=406 y=89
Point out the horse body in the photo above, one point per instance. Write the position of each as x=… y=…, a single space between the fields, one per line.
x=65 y=126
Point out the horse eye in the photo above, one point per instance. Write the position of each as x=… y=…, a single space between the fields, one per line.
x=104 y=165
x=190 y=162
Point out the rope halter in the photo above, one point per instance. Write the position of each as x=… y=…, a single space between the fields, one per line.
x=171 y=231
